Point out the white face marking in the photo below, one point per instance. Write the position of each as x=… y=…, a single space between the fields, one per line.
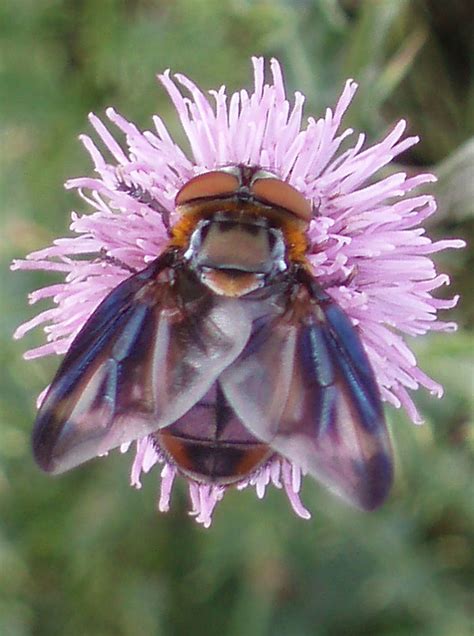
x=278 y=251
x=195 y=241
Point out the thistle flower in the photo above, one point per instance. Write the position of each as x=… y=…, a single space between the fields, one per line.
x=366 y=229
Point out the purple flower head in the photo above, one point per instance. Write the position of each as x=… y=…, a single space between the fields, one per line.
x=365 y=230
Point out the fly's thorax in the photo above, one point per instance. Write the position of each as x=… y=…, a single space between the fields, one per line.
x=234 y=255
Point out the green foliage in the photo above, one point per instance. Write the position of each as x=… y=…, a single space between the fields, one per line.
x=84 y=554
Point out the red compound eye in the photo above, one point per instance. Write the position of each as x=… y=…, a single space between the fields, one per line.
x=283 y=195
x=210 y=184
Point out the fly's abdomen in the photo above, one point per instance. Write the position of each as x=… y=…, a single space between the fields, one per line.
x=210 y=444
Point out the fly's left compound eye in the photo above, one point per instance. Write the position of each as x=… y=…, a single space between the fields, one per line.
x=282 y=195
x=211 y=184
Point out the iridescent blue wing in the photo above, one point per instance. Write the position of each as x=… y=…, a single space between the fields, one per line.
x=148 y=353
x=304 y=385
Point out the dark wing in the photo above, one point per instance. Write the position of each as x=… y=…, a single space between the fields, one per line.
x=305 y=386
x=148 y=353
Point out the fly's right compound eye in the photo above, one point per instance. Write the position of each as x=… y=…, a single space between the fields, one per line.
x=272 y=190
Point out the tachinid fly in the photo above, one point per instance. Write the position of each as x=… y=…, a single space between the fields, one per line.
x=227 y=351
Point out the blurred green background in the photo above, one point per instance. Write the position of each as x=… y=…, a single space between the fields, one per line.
x=84 y=553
